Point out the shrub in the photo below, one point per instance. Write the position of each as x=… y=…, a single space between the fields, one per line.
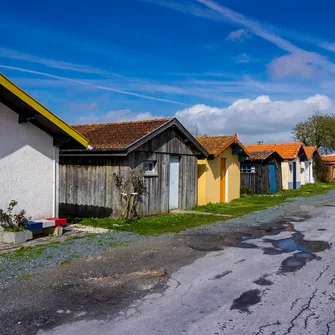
x=320 y=170
x=10 y=221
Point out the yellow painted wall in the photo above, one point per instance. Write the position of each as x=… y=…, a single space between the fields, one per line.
x=209 y=174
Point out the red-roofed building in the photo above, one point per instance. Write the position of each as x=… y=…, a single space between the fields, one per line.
x=162 y=149
x=219 y=178
x=261 y=173
x=329 y=160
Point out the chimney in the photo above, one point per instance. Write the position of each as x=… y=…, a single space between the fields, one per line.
x=260 y=142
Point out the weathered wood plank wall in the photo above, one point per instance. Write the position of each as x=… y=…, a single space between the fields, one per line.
x=259 y=182
x=87 y=186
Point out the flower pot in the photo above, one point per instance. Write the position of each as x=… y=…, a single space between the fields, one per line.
x=17 y=237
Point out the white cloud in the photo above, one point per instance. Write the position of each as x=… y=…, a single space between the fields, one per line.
x=238 y=35
x=115 y=116
x=253 y=120
x=298 y=64
x=243 y=58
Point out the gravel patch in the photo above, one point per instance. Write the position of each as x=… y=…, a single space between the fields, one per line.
x=14 y=266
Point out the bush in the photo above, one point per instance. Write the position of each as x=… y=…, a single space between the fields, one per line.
x=320 y=170
x=10 y=221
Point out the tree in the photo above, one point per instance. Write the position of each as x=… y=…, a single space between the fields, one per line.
x=319 y=130
x=131 y=190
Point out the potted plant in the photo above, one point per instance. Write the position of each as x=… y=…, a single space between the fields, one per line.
x=13 y=226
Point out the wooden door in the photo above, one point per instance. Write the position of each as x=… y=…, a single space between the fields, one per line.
x=223 y=180
x=272 y=177
x=174 y=183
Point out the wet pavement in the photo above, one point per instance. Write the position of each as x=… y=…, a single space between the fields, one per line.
x=278 y=279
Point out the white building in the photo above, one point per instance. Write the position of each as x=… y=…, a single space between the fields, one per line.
x=307 y=166
x=30 y=139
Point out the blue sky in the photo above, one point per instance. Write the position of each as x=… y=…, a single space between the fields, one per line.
x=251 y=67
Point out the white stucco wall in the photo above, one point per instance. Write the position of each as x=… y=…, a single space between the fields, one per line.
x=307 y=176
x=28 y=167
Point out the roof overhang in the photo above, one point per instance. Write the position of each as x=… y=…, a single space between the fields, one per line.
x=30 y=110
x=198 y=149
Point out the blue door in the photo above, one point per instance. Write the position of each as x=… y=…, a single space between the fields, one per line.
x=294 y=175
x=272 y=176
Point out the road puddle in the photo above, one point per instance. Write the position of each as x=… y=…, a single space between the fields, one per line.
x=245 y=300
x=305 y=250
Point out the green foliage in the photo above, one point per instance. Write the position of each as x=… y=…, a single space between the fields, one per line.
x=319 y=130
x=13 y=222
x=320 y=169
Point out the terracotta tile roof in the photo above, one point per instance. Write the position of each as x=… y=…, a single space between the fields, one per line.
x=310 y=151
x=215 y=145
x=328 y=158
x=261 y=155
x=118 y=135
x=286 y=150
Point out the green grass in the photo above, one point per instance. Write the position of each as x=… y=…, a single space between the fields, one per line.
x=169 y=223
x=28 y=252
x=153 y=225
x=119 y=244
x=252 y=203
x=25 y=276
x=66 y=261
x=79 y=237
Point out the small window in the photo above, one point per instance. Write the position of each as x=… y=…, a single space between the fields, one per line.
x=149 y=168
x=291 y=167
x=248 y=169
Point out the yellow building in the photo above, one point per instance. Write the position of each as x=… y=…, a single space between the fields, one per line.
x=219 y=174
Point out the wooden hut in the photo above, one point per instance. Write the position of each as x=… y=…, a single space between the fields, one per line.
x=262 y=172
x=162 y=149
x=219 y=174
x=329 y=161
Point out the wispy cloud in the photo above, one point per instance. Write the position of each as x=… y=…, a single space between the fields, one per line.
x=263 y=31
x=252 y=25
x=115 y=116
x=238 y=35
x=51 y=63
x=243 y=58
x=87 y=84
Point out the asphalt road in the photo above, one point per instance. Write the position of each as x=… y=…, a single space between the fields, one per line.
x=278 y=280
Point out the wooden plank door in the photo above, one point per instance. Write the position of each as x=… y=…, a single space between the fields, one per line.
x=223 y=180
x=174 y=183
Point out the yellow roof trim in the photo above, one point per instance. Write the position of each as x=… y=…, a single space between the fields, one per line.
x=5 y=82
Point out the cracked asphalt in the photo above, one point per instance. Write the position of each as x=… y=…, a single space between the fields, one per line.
x=275 y=279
